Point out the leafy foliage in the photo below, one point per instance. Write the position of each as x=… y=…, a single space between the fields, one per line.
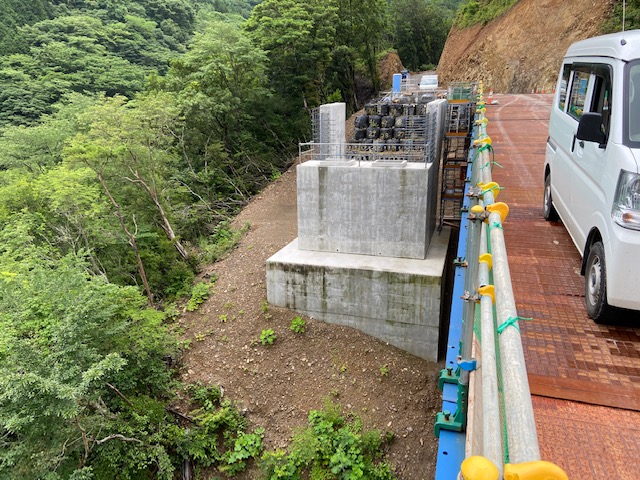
x=267 y=337
x=297 y=325
x=632 y=17
x=481 y=11
x=69 y=342
x=420 y=31
x=331 y=447
x=127 y=142
x=199 y=294
x=82 y=49
x=227 y=143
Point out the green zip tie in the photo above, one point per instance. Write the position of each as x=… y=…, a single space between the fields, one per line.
x=495 y=187
x=495 y=225
x=491 y=163
x=486 y=146
x=511 y=321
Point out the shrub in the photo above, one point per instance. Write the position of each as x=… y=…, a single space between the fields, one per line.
x=298 y=325
x=267 y=337
x=199 y=293
x=331 y=447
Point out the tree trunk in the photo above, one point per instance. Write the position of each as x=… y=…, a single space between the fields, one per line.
x=131 y=236
x=166 y=224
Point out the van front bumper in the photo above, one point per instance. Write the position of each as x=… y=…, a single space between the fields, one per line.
x=623 y=268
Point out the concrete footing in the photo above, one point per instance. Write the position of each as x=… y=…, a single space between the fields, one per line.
x=367 y=208
x=397 y=300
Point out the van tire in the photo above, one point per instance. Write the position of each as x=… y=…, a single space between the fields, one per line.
x=549 y=211
x=595 y=284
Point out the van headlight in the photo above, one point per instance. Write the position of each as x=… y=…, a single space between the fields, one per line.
x=626 y=204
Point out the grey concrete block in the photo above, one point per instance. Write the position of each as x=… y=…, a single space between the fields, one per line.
x=394 y=299
x=366 y=210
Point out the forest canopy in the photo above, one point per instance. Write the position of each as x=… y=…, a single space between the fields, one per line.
x=131 y=132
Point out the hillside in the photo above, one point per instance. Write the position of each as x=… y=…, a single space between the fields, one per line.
x=521 y=50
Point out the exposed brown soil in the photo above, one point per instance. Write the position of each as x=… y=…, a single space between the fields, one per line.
x=387 y=66
x=521 y=51
x=277 y=385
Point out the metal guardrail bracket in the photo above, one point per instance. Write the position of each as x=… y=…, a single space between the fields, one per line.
x=475 y=192
x=467 y=297
x=468 y=364
x=458 y=421
x=446 y=421
x=478 y=213
x=448 y=375
x=460 y=262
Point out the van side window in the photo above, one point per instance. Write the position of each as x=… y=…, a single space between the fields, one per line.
x=564 y=83
x=578 y=94
x=601 y=101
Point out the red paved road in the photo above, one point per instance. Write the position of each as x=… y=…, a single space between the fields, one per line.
x=578 y=370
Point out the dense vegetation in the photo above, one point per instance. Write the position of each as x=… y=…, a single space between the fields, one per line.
x=631 y=14
x=481 y=11
x=130 y=133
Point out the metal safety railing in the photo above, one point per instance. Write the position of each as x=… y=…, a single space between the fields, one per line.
x=507 y=429
x=353 y=153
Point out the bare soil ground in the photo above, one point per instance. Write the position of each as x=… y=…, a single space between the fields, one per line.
x=521 y=51
x=277 y=385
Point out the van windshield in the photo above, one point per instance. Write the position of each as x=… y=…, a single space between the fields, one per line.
x=632 y=105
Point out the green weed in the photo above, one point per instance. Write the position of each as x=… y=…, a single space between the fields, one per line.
x=332 y=446
x=267 y=337
x=298 y=325
x=199 y=293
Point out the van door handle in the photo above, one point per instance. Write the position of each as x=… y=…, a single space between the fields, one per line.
x=573 y=144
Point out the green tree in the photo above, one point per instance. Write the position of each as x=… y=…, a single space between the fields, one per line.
x=14 y=15
x=631 y=14
x=298 y=37
x=65 y=340
x=129 y=148
x=421 y=29
x=229 y=142
x=363 y=29
x=39 y=147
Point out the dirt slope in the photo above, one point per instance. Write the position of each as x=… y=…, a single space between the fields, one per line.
x=521 y=51
x=277 y=385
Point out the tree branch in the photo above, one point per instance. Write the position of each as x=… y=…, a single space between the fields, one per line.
x=119 y=393
x=179 y=414
x=118 y=437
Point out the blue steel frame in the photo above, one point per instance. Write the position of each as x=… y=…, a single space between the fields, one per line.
x=451 y=446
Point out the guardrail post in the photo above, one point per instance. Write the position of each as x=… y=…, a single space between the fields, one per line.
x=466 y=364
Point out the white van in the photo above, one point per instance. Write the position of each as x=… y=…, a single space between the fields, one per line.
x=591 y=173
x=429 y=83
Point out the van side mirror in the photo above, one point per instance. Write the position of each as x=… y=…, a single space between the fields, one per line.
x=590 y=128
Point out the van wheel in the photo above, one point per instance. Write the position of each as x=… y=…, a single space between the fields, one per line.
x=549 y=211
x=595 y=283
